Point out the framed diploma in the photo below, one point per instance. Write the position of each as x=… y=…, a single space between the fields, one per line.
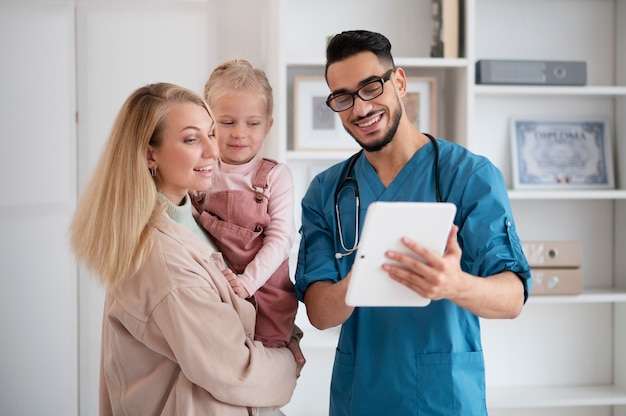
x=558 y=153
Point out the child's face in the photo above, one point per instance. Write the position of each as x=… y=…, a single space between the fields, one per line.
x=243 y=124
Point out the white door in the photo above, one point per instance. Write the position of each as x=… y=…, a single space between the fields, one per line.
x=38 y=300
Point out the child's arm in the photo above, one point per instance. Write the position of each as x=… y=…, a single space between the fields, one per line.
x=280 y=233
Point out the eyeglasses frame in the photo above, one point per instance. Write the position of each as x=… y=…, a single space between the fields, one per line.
x=386 y=77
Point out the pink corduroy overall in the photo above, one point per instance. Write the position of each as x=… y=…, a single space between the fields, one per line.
x=236 y=221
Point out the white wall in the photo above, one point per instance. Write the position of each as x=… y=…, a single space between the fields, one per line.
x=38 y=320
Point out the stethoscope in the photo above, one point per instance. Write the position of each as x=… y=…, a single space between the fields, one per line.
x=349 y=181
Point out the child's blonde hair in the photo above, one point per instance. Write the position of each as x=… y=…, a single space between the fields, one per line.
x=239 y=75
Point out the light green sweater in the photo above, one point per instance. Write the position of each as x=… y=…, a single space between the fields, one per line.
x=183 y=214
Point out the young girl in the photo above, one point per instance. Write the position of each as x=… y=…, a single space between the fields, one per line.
x=249 y=210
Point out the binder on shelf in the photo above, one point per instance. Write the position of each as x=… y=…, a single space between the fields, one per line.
x=555 y=254
x=557 y=281
x=530 y=72
x=446 y=34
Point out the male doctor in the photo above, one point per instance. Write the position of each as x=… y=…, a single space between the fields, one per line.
x=391 y=360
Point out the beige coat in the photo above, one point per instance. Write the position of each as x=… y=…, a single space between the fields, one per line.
x=176 y=340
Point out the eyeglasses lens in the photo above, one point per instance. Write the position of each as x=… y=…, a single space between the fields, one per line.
x=367 y=92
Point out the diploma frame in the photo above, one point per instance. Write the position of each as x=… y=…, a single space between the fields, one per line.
x=561 y=153
x=316 y=126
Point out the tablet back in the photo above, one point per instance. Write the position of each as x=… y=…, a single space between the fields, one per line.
x=385 y=224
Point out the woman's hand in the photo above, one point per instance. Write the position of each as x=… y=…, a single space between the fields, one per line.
x=294 y=347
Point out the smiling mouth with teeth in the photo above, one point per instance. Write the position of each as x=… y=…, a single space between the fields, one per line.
x=204 y=169
x=369 y=123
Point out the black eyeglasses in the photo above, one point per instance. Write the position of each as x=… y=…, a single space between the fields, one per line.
x=369 y=91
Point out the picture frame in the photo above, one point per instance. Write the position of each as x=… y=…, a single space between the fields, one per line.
x=316 y=126
x=420 y=103
x=561 y=153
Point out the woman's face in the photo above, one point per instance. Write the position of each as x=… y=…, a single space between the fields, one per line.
x=187 y=155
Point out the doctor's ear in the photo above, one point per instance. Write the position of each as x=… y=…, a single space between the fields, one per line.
x=399 y=77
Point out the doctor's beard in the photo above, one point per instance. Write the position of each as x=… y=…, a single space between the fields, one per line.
x=386 y=139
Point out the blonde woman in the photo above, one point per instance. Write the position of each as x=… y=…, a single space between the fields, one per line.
x=176 y=339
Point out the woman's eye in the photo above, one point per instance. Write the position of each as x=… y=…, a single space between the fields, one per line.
x=226 y=122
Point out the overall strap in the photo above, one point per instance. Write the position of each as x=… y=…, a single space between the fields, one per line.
x=259 y=183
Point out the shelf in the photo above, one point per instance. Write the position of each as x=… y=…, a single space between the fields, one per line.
x=319 y=155
x=399 y=61
x=313 y=63
x=567 y=194
x=535 y=397
x=536 y=90
x=431 y=62
x=588 y=296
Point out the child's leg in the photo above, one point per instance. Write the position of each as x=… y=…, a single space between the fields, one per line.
x=276 y=309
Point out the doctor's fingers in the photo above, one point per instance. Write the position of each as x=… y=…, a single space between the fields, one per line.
x=414 y=281
x=423 y=252
x=452 y=247
x=434 y=274
x=427 y=258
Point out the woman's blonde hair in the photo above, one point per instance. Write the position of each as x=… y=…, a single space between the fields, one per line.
x=238 y=74
x=111 y=231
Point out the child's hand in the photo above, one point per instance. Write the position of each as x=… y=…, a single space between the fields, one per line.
x=198 y=199
x=235 y=284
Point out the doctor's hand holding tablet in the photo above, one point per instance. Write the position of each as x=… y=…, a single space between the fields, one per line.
x=406 y=250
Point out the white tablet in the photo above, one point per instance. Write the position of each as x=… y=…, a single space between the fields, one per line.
x=428 y=223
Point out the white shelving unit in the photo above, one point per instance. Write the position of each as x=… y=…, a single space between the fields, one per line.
x=565 y=355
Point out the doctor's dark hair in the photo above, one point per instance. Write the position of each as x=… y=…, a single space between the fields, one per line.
x=351 y=42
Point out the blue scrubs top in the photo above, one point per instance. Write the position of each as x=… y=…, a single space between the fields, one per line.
x=411 y=361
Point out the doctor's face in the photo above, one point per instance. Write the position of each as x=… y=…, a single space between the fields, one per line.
x=372 y=123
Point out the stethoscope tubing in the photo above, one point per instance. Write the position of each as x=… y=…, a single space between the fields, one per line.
x=350 y=181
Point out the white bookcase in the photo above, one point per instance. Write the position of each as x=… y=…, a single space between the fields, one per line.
x=565 y=355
